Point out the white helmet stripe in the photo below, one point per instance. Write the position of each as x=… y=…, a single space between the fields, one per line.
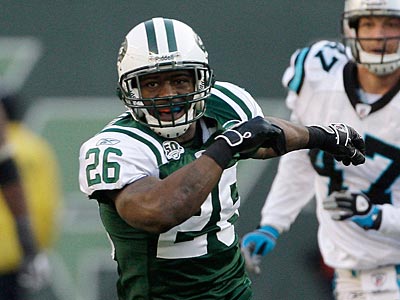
x=165 y=35
x=161 y=35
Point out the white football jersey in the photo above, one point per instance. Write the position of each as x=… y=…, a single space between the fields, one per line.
x=323 y=89
x=125 y=151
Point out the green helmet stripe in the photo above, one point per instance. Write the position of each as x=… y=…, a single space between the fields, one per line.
x=169 y=28
x=151 y=36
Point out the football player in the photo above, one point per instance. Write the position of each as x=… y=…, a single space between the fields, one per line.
x=358 y=209
x=164 y=172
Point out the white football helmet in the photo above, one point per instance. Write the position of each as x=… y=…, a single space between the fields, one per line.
x=380 y=64
x=159 y=45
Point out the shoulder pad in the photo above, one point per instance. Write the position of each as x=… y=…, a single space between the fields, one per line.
x=314 y=63
x=231 y=102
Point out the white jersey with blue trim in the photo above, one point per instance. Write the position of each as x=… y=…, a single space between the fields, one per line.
x=321 y=80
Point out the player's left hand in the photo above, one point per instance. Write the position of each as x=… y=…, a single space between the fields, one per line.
x=343 y=142
x=355 y=207
x=35 y=272
x=257 y=244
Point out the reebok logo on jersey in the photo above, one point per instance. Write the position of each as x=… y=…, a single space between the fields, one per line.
x=172 y=150
x=107 y=142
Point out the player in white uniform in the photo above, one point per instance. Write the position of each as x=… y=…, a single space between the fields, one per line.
x=359 y=230
x=164 y=173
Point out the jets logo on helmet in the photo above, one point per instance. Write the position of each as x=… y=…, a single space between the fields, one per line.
x=200 y=43
x=122 y=51
x=156 y=45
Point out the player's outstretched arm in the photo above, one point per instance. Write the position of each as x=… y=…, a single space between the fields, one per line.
x=156 y=205
x=338 y=139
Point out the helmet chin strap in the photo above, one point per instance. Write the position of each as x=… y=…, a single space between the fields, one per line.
x=369 y=61
x=378 y=64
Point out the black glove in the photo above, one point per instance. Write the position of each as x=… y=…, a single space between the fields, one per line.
x=340 y=140
x=243 y=137
x=248 y=136
x=356 y=207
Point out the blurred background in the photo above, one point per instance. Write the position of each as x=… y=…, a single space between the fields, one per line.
x=60 y=58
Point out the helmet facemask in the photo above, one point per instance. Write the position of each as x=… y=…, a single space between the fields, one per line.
x=380 y=64
x=147 y=110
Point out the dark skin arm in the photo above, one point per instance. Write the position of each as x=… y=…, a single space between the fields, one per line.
x=296 y=138
x=156 y=205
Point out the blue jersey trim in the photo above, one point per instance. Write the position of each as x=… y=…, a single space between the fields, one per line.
x=296 y=82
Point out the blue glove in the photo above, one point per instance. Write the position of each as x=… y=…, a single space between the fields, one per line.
x=356 y=207
x=257 y=244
